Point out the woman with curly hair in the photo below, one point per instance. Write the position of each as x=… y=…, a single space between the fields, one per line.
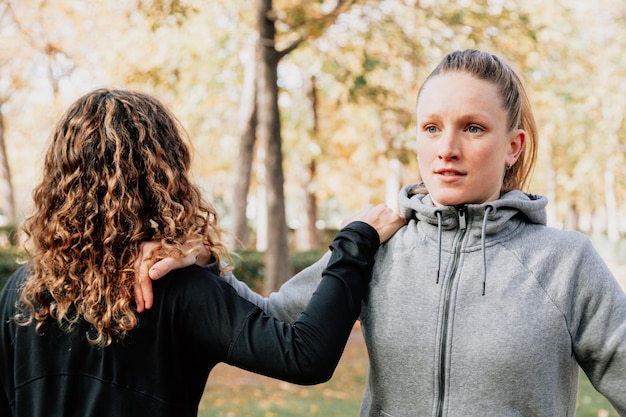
x=72 y=342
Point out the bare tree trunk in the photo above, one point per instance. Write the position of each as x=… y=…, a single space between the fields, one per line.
x=610 y=198
x=261 y=201
x=6 y=186
x=313 y=235
x=277 y=262
x=393 y=184
x=571 y=216
x=612 y=119
x=613 y=106
x=243 y=165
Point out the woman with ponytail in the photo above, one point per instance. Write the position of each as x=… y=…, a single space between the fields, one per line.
x=477 y=307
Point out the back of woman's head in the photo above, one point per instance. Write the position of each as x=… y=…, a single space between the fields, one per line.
x=115 y=175
x=488 y=67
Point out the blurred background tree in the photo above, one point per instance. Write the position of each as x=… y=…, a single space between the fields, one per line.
x=341 y=100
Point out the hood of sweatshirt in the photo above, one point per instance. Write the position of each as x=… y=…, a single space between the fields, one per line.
x=481 y=221
x=414 y=203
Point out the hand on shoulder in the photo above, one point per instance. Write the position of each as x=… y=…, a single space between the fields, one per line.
x=380 y=217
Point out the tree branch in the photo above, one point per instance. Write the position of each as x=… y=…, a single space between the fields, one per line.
x=340 y=7
x=293 y=45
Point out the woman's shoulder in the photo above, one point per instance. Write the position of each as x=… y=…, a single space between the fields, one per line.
x=557 y=235
x=192 y=277
x=193 y=289
x=195 y=285
x=10 y=292
x=16 y=280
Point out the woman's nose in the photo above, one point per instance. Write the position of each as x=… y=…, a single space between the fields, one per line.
x=448 y=146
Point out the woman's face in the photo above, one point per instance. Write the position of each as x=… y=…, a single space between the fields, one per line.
x=463 y=143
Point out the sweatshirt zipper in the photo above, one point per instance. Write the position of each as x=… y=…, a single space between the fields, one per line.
x=462 y=213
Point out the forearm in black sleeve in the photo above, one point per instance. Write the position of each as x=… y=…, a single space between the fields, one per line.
x=308 y=351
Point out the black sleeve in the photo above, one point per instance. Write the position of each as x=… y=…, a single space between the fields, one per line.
x=308 y=351
x=8 y=297
x=5 y=410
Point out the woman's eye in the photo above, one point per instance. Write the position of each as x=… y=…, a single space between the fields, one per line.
x=474 y=129
x=431 y=129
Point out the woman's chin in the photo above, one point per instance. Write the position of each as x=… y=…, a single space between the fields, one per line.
x=448 y=200
x=458 y=198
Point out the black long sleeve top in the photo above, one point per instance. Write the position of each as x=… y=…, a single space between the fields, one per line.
x=197 y=321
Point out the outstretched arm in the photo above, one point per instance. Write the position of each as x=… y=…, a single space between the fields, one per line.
x=290 y=300
x=308 y=351
x=313 y=345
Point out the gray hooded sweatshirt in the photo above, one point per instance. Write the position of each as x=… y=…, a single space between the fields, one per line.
x=481 y=310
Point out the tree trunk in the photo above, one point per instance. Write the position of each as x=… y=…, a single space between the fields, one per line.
x=610 y=198
x=313 y=235
x=612 y=120
x=243 y=165
x=393 y=184
x=6 y=186
x=277 y=262
x=261 y=201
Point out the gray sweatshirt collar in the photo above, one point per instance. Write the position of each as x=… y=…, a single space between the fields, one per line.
x=495 y=216
x=415 y=202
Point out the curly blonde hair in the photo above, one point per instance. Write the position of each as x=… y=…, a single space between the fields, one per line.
x=115 y=175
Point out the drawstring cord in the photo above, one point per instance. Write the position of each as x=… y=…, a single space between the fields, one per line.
x=482 y=243
x=440 y=231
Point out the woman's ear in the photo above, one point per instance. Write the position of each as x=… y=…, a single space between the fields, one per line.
x=517 y=139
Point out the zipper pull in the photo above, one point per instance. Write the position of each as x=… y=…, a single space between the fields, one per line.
x=462 y=218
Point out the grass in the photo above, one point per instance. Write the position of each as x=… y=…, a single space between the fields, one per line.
x=232 y=392
x=590 y=402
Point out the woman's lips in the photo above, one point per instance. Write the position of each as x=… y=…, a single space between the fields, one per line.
x=449 y=175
